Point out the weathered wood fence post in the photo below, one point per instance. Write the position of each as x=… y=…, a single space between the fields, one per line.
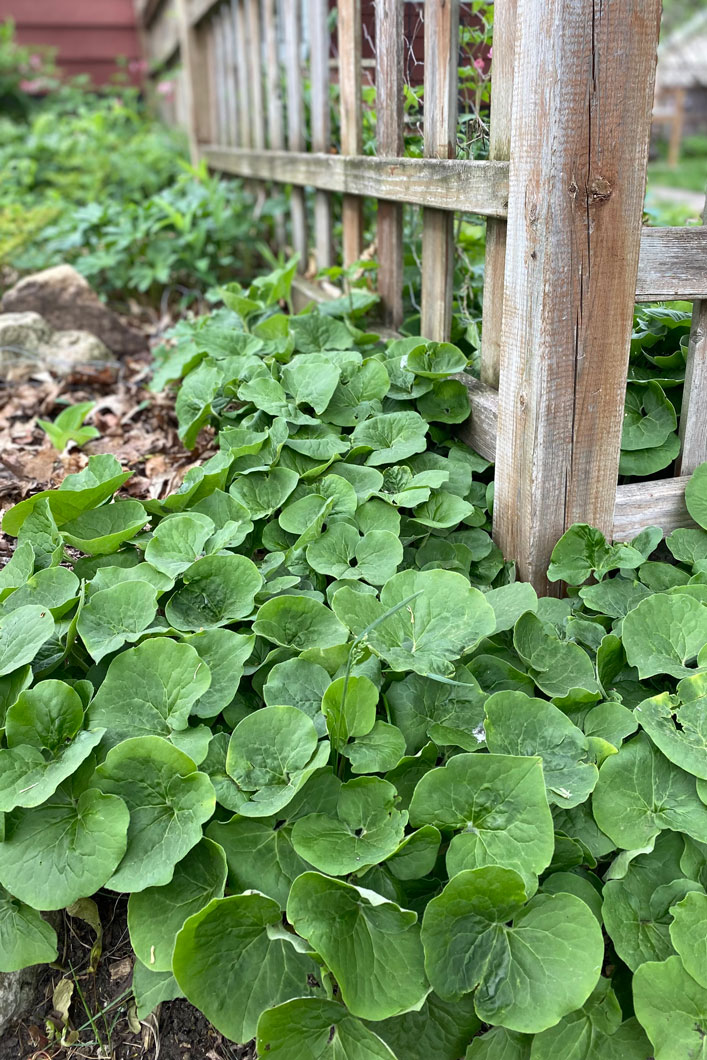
x=582 y=98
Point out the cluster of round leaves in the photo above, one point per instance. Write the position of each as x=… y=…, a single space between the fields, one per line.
x=370 y=797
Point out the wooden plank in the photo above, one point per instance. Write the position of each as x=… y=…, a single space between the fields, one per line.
x=582 y=97
x=242 y=78
x=349 y=43
x=479 y=431
x=230 y=74
x=693 y=415
x=255 y=73
x=504 y=17
x=295 y=121
x=192 y=46
x=162 y=36
x=319 y=42
x=472 y=187
x=658 y=503
x=199 y=9
x=672 y=264
x=440 y=133
x=273 y=88
x=390 y=40
x=216 y=30
x=147 y=10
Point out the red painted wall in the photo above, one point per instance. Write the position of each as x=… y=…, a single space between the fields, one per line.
x=88 y=34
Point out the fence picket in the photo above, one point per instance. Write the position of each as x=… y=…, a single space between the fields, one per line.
x=255 y=73
x=349 y=45
x=574 y=221
x=693 y=416
x=440 y=132
x=504 y=24
x=242 y=79
x=390 y=144
x=321 y=123
x=295 y=121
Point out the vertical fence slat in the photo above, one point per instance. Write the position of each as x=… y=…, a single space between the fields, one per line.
x=440 y=132
x=349 y=43
x=390 y=144
x=295 y=121
x=217 y=29
x=255 y=71
x=321 y=123
x=693 y=418
x=273 y=88
x=583 y=92
x=230 y=70
x=242 y=80
x=192 y=47
x=504 y=31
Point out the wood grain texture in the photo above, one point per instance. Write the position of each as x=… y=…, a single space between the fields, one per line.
x=472 y=187
x=161 y=34
x=292 y=22
x=349 y=45
x=479 y=431
x=254 y=38
x=231 y=93
x=693 y=415
x=199 y=9
x=319 y=43
x=242 y=79
x=582 y=98
x=216 y=30
x=505 y=13
x=672 y=264
x=389 y=144
x=440 y=134
x=192 y=47
x=273 y=90
x=641 y=504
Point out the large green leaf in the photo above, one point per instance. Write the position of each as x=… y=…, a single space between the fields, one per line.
x=149 y=690
x=391 y=437
x=446 y=713
x=436 y=617
x=178 y=541
x=372 y=946
x=649 y=417
x=54 y=589
x=104 y=529
x=557 y=666
x=233 y=959
x=157 y=914
x=116 y=616
x=663 y=633
x=677 y=725
x=342 y=552
x=22 y=634
x=299 y=622
x=262 y=492
x=695 y=496
x=518 y=725
x=65 y=849
x=225 y=654
x=168 y=802
x=639 y=793
x=25 y=938
x=688 y=934
x=366 y=829
x=47 y=716
x=526 y=976
x=440 y=1029
x=672 y=1008
x=582 y=551
x=216 y=590
x=272 y=753
x=349 y=706
x=499 y=804
x=314 y=1029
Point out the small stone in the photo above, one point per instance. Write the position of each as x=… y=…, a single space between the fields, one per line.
x=17 y=994
x=68 y=302
x=28 y=345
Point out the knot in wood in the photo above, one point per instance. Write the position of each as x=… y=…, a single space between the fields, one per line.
x=600 y=189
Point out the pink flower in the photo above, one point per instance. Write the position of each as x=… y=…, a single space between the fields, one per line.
x=31 y=86
x=165 y=88
x=479 y=64
x=35 y=61
x=138 y=66
x=490 y=53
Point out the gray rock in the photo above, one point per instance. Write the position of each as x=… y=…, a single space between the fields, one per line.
x=68 y=302
x=28 y=344
x=17 y=994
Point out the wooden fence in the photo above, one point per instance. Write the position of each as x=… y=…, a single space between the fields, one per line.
x=566 y=252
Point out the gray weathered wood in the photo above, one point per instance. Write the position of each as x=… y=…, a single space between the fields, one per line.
x=273 y=89
x=479 y=431
x=473 y=187
x=242 y=78
x=161 y=34
x=319 y=41
x=504 y=22
x=440 y=134
x=641 y=504
x=389 y=143
x=255 y=73
x=192 y=47
x=349 y=45
x=292 y=11
x=216 y=28
x=672 y=264
x=582 y=98
x=199 y=9
x=693 y=415
x=232 y=132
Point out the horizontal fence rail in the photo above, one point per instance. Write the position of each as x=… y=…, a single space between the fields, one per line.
x=566 y=252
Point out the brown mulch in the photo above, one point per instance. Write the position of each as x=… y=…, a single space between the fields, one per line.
x=101 y=1013
x=138 y=427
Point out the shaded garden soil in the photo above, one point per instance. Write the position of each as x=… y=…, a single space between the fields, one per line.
x=101 y=1012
